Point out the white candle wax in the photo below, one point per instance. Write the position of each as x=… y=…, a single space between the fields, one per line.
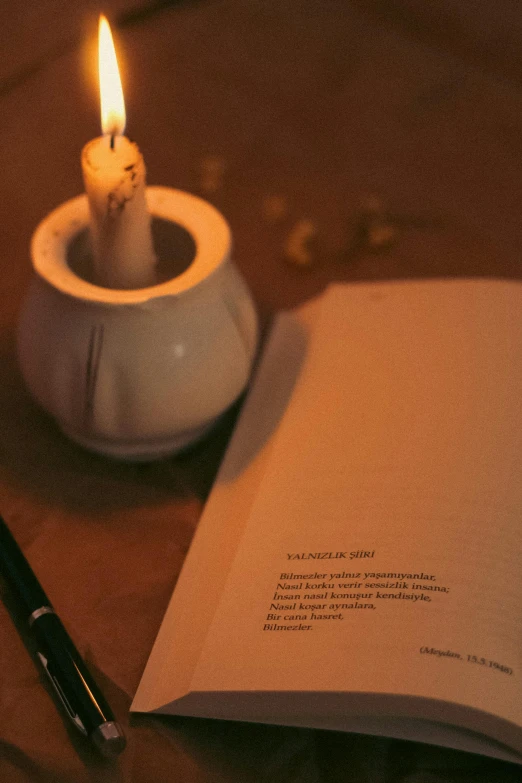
x=114 y=177
x=120 y=225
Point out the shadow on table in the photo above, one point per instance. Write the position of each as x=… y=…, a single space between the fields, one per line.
x=256 y=753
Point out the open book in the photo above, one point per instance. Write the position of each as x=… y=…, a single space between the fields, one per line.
x=358 y=564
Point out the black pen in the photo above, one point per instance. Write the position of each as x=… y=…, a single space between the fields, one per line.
x=73 y=684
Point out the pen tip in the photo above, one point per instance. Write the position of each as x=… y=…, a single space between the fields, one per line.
x=109 y=739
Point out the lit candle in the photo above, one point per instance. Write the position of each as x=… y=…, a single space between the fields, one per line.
x=114 y=177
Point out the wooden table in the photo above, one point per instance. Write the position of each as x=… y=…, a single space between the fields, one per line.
x=353 y=124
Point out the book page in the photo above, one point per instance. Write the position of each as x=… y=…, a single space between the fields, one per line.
x=382 y=551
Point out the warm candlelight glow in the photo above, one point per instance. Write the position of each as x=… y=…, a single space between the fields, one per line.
x=111 y=93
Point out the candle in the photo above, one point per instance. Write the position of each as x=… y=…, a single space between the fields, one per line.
x=114 y=175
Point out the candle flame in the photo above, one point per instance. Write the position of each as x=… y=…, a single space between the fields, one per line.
x=111 y=92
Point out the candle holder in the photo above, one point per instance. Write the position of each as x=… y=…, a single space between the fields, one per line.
x=142 y=373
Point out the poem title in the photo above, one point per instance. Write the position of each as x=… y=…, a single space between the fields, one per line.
x=358 y=553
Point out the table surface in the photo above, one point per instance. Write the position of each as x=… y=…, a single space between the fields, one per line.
x=290 y=116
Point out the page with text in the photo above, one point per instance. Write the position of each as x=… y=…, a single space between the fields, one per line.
x=382 y=553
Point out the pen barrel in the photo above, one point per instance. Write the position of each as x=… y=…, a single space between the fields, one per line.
x=69 y=676
x=18 y=574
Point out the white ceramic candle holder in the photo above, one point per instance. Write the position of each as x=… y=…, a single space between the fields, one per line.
x=137 y=374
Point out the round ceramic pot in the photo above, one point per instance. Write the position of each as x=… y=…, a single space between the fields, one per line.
x=138 y=374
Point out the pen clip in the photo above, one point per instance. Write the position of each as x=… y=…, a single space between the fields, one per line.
x=61 y=695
